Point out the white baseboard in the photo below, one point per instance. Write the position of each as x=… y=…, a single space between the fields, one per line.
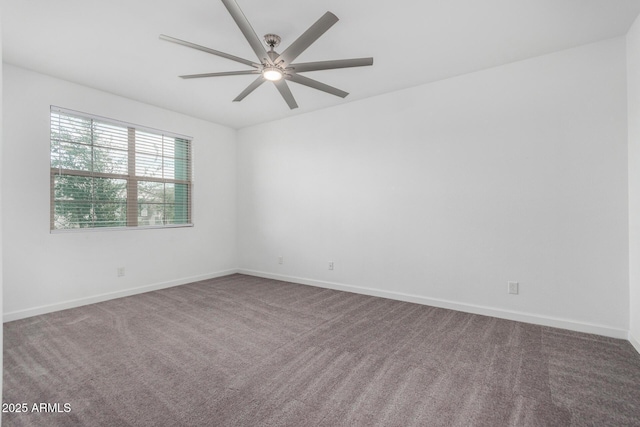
x=467 y=308
x=35 y=311
x=635 y=342
x=452 y=305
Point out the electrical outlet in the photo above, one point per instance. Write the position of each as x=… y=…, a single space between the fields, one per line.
x=330 y=265
x=120 y=271
x=512 y=288
x=280 y=259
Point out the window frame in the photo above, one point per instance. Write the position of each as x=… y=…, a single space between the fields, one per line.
x=132 y=180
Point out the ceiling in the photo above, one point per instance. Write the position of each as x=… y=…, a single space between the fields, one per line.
x=114 y=45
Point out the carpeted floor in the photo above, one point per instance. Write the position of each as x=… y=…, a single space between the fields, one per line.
x=246 y=351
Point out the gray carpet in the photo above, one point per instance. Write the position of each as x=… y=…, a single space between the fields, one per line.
x=245 y=351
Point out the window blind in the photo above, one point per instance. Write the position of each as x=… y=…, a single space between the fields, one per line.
x=106 y=173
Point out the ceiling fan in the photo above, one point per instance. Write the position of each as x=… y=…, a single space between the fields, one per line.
x=274 y=66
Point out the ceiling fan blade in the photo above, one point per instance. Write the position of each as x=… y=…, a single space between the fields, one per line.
x=247 y=30
x=307 y=38
x=224 y=73
x=284 y=90
x=209 y=50
x=297 y=78
x=253 y=86
x=330 y=65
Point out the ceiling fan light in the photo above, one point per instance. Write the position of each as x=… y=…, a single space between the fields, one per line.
x=272 y=74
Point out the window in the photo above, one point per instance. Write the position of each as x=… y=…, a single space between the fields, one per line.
x=106 y=173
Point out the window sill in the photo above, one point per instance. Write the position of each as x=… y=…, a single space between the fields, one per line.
x=99 y=229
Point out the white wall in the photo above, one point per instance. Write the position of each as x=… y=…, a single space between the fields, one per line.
x=44 y=271
x=438 y=194
x=633 y=84
x=444 y=192
x=1 y=238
